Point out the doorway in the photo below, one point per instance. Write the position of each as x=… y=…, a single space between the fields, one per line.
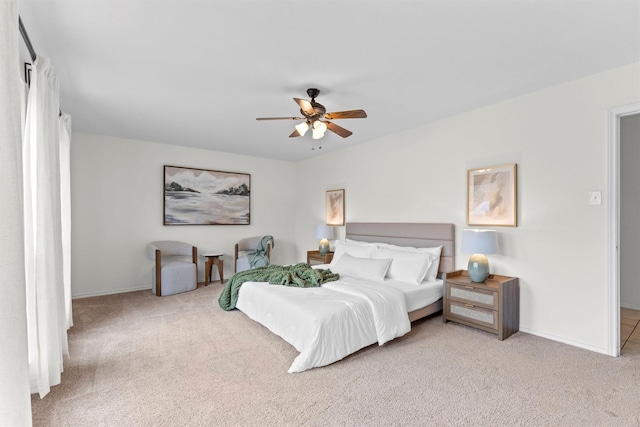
x=629 y=252
x=614 y=222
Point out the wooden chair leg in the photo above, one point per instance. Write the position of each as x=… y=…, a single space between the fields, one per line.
x=235 y=260
x=158 y=273
x=194 y=257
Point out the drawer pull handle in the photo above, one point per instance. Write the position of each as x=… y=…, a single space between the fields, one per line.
x=469 y=287
x=469 y=305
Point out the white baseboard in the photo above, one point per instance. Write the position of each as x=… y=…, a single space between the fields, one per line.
x=630 y=306
x=566 y=341
x=112 y=292
x=118 y=291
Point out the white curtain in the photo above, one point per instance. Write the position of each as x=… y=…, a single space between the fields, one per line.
x=45 y=287
x=15 y=401
x=65 y=211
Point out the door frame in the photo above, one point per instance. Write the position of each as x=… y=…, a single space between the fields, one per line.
x=613 y=223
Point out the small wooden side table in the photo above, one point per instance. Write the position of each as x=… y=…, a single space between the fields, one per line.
x=314 y=258
x=213 y=258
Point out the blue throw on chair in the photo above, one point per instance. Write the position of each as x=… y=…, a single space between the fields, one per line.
x=253 y=252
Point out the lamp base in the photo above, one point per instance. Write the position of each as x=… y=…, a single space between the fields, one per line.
x=324 y=247
x=478 y=268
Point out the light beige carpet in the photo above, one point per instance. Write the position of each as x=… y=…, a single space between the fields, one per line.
x=140 y=360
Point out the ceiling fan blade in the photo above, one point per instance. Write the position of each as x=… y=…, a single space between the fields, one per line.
x=351 y=114
x=338 y=130
x=294 y=134
x=305 y=106
x=280 y=118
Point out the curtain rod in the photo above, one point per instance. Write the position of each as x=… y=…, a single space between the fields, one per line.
x=27 y=41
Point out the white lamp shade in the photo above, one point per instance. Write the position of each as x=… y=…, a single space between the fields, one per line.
x=479 y=241
x=302 y=128
x=318 y=128
x=324 y=232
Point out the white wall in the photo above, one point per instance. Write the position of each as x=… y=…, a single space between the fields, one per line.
x=629 y=209
x=556 y=136
x=558 y=139
x=117 y=208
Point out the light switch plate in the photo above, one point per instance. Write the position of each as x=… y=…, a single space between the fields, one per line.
x=595 y=198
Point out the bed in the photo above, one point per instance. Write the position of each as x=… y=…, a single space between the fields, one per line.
x=369 y=303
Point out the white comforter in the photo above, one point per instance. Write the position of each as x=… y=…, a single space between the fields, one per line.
x=328 y=323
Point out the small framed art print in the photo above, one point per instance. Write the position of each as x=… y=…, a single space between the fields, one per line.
x=491 y=196
x=335 y=207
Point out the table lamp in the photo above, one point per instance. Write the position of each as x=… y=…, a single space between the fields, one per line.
x=324 y=233
x=479 y=243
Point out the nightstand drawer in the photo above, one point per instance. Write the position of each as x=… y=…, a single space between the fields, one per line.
x=474 y=296
x=473 y=314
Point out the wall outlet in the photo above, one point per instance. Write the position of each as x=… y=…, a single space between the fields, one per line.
x=595 y=198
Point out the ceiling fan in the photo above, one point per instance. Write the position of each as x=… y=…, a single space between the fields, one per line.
x=316 y=117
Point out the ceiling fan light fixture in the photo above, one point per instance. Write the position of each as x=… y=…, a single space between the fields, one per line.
x=313 y=113
x=317 y=134
x=302 y=128
x=320 y=126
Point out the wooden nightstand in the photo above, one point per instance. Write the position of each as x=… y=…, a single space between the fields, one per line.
x=493 y=306
x=314 y=258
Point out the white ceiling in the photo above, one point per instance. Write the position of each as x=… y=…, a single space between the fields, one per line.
x=198 y=73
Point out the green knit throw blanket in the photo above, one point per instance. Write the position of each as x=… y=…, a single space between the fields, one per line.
x=299 y=275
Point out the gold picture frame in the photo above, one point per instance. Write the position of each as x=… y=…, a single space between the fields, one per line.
x=335 y=207
x=492 y=196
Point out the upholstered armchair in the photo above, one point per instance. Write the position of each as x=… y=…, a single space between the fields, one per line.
x=175 y=269
x=253 y=252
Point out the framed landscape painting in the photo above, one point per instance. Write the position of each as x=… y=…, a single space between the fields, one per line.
x=491 y=196
x=206 y=197
x=335 y=207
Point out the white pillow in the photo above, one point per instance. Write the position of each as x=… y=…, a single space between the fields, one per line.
x=363 y=267
x=432 y=272
x=407 y=266
x=358 y=251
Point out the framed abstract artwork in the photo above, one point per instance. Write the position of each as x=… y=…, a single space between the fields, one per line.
x=335 y=207
x=492 y=195
x=206 y=197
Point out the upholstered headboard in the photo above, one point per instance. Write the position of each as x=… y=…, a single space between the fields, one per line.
x=419 y=235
